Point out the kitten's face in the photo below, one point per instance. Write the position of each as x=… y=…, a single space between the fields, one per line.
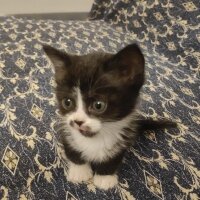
x=97 y=88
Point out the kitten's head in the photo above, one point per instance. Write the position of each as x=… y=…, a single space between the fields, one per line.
x=97 y=88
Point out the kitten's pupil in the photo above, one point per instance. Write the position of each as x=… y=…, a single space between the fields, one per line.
x=99 y=106
x=67 y=103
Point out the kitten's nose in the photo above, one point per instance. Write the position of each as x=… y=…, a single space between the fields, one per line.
x=78 y=122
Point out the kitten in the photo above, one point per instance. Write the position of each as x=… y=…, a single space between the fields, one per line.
x=97 y=95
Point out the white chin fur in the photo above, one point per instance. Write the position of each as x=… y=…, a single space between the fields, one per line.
x=105 y=182
x=101 y=147
x=79 y=173
x=105 y=144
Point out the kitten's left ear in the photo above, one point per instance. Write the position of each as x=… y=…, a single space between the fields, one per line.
x=61 y=62
x=127 y=66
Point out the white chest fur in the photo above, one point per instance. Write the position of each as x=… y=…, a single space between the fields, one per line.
x=101 y=147
x=105 y=144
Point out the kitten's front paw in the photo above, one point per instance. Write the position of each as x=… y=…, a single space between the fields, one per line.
x=79 y=173
x=105 y=182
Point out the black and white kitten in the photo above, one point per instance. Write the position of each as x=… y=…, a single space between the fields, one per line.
x=97 y=94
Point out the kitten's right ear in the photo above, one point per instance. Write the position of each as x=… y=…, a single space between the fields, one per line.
x=60 y=60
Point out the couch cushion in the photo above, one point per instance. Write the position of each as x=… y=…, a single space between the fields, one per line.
x=161 y=165
x=72 y=35
x=170 y=27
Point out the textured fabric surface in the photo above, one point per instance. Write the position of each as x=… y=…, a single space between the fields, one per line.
x=162 y=164
x=169 y=27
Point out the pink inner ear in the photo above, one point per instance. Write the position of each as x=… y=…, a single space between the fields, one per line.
x=126 y=72
x=126 y=65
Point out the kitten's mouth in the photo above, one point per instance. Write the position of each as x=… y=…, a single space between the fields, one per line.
x=87 y=133
x=83 y=130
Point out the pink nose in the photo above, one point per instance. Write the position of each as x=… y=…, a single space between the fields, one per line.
x=78 y=122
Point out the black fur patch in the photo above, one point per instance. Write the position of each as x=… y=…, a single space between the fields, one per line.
x=115 y=78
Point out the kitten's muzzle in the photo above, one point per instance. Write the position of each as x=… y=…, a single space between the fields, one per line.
x=87 y=133
x=84 y=130
x=79 y=123
x=76 y=123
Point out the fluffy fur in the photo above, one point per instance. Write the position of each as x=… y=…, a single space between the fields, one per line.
x=97 y=94
x=106 y=144
x=105 y=182
x=74 y=174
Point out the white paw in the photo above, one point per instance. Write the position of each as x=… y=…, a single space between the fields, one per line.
x=79 y=173
x=105 y=182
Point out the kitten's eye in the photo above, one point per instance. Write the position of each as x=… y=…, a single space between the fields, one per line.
x=98 y=107
x=67 y=104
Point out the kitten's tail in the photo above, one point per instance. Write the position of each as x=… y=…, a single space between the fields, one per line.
x=150 y=124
